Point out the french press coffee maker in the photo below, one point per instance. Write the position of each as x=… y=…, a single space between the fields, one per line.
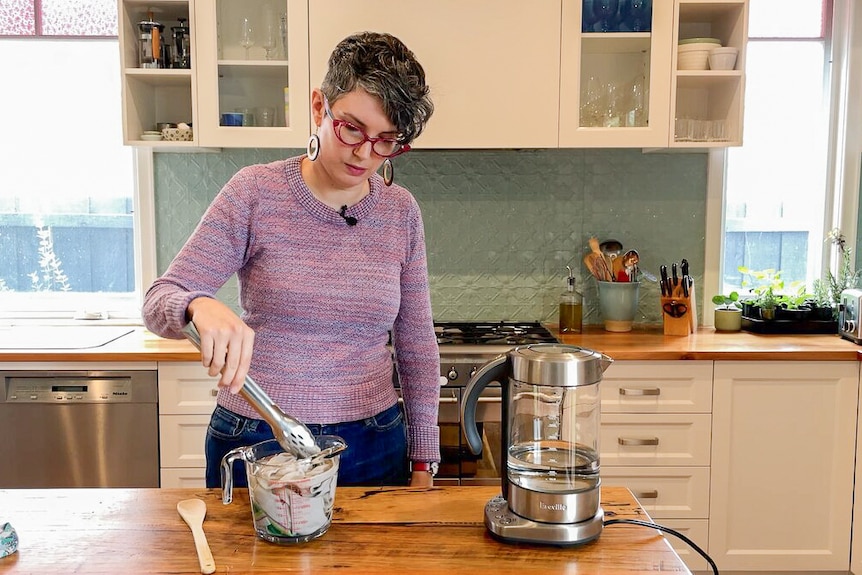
x=549 y=441
x=181 y=52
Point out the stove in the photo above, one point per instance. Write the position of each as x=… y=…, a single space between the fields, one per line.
x=482 y=341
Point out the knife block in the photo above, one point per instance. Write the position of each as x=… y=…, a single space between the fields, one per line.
x=678 y=312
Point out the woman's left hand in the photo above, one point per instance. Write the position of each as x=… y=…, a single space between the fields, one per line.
x=421 y=479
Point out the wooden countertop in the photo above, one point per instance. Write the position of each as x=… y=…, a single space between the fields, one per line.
x=374 y=530
x=643 y=343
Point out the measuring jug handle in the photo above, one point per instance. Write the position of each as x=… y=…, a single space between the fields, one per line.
x=227 y=472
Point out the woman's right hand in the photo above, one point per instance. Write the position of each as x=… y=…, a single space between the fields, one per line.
x=226 y=341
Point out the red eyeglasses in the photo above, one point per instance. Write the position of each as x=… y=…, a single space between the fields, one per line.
x=354 y=136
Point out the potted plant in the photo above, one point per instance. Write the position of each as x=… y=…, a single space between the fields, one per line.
x=728 y=312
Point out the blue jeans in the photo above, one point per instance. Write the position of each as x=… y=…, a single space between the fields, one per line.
x=376 y=451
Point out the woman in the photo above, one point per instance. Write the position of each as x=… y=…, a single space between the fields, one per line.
x=330 y=259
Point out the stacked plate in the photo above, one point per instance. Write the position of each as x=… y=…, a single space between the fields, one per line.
x=693 y=53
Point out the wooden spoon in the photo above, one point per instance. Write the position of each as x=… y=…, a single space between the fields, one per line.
x=597 y=263
x=193 y=512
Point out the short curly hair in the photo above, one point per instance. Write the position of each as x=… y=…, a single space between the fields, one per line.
x=384 y=67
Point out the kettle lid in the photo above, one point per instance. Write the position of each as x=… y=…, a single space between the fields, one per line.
x=557 y=365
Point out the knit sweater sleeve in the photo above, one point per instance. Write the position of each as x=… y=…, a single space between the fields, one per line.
x=215 y=251
x=416 y=350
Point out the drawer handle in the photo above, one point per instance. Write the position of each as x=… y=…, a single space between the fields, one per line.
x=647 y=391
x=637 y=441
x=214 y=392
x=647 y=494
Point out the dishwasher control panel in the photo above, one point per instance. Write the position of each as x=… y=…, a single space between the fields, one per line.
x=67 y=390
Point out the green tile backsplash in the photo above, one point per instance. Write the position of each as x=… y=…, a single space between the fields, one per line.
x=501 y=225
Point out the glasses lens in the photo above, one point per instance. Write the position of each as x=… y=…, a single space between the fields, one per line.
x=349 y=134
x=386 y=147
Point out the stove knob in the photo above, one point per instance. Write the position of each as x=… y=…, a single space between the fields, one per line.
x=443 y=380
x=453 y=374
x=473 y=372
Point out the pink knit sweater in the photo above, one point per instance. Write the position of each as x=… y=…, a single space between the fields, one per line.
x=321 y=296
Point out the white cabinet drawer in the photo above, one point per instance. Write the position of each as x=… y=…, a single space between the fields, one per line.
x=181 y=440
x=657 y=387
x=186 y=387
x=667 y=439
x=185 y=477
x=695 y=529
x=665 y=492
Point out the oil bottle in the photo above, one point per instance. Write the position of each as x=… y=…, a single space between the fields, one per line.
x=571 y=307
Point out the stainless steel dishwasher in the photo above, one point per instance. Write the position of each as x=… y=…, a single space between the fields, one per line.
x=79 y=429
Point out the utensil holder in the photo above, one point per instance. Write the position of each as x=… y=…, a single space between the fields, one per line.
x=678 y=311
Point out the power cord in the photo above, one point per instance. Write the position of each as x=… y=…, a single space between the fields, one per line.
x=663 y=529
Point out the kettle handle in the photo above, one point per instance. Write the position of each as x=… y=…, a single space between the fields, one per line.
x=495 y=370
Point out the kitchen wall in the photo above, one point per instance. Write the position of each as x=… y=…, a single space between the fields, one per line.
x=501 y=225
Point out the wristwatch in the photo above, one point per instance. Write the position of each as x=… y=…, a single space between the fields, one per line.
x=429 y=466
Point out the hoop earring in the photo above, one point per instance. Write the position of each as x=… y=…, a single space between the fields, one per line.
x=313 y=147
x=388 y=172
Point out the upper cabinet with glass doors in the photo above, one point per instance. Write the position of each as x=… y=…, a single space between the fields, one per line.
x=615 y=73
x=157 y=59
x=252 y=73
x=708 y=94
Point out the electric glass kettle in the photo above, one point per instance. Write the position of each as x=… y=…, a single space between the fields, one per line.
x=550 y=442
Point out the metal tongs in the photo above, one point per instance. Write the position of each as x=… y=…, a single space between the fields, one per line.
x=290 y=433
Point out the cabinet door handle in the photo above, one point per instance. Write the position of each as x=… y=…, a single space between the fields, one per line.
x=647 y=494
x=214 y=392
x=637 y=441
x=647 y=391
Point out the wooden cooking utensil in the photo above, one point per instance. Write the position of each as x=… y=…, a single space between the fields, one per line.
x=193 y=512
x=596 y=262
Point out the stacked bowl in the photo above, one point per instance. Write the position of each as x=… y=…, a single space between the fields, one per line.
x=693 y=53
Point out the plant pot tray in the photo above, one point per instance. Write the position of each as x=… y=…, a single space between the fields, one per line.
x=789 y=326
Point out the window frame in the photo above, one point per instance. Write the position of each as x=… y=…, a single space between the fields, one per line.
x=844 y=78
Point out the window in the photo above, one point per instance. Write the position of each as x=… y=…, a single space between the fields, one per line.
x=776 y=183
x=66 y=203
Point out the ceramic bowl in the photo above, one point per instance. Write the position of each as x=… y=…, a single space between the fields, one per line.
x=685 y=41
x=696 y=60
x=177 y=134
x=723 y=58
x=148 y=137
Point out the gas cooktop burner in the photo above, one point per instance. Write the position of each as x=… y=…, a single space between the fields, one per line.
x=501 y=333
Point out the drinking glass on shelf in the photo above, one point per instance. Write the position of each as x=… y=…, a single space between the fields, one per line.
x=246 y=37
x=270 y=33
x=606 y=12
x=639 y=15
x=282 y=28
x=588 y=16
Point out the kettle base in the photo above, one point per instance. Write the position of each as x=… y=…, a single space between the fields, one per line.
x=510 y=527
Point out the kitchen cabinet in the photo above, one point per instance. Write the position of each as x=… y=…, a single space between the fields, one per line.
x=492 y=66
x=221 y=78
x=615 y=86
x=509 y=75
x=153 y=95
x=655 y=440
x=856 y=543
x=783 y=449
x=707 y=105
x=267 y=81
x=187 y=397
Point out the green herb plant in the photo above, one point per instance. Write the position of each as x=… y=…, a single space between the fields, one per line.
x=846 y=278
x=730 y=301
